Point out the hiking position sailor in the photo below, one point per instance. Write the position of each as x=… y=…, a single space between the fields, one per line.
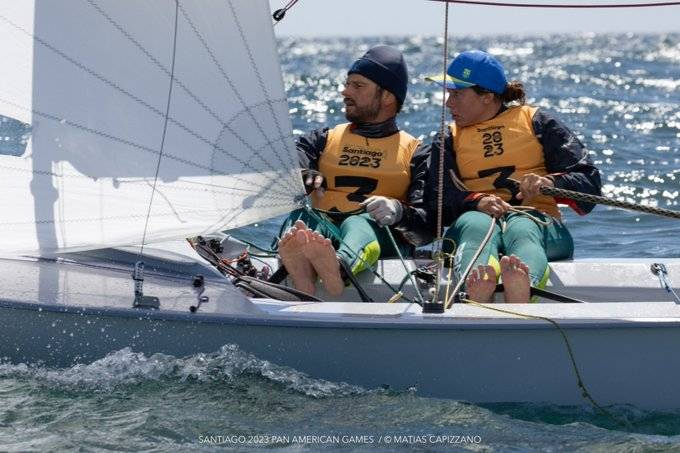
x=496 y=139
x=366 y=164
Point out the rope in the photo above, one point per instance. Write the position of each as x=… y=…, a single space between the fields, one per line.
x=596 y=199
x=165 y=129
x=523 y=210
x=403 y=262
x=579 y=380
x=449 y=275
x=562 y=5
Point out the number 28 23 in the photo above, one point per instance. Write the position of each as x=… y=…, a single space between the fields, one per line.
x=493 y=144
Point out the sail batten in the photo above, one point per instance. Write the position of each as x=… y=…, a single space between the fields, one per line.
x=91 y=78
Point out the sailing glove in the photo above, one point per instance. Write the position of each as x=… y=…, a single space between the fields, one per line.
x=385 y=211
x=313 y=180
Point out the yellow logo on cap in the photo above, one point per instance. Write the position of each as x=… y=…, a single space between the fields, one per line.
x=466 y=73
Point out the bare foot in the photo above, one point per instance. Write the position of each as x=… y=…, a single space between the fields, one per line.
x=321 y=254
x=481 y=284
x=299 y=268
x=515 y=276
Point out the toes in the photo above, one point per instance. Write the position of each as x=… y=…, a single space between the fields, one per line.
x=473 y=277
x=506 y=263
x=301 y=237
x=286 y=237
x=524 y=267
x=299 y=225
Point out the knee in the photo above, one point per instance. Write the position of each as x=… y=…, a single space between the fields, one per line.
x=471 y=223
x=354 y=222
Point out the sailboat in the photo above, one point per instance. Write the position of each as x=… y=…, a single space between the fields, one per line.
x=150 y=122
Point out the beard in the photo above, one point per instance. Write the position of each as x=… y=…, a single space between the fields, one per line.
x=363 y=114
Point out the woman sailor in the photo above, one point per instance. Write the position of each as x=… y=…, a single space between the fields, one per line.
x=494 y=142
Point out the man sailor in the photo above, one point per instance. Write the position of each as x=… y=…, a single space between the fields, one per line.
x=365 y=176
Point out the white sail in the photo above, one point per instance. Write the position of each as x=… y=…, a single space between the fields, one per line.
x=92 y=79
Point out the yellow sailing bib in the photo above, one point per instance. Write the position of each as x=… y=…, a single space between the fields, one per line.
x=503 y=147
x=357 y=167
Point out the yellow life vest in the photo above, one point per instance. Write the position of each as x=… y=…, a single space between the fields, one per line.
x=490 y=152
x=356 y=167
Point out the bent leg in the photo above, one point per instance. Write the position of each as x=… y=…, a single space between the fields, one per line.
x=524 y=239
x=360 y=246
x=535 y=244
x=559 y=244
x=468 y=233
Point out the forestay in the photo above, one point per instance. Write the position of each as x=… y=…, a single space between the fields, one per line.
x=92 y=81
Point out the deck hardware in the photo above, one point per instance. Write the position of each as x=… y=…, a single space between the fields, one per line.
x=199 y=287
x=433 y=307
x=659 y=269
x=142 y=301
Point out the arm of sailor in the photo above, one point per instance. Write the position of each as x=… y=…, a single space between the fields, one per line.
x=455 y=201
x=409 y=218
x=414 y=226
x=309 y=148
x=492 y=205
x=530 y=186
x=567 y=160
x=384 y=210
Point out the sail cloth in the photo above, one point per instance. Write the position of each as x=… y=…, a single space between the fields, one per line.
x=92 y=81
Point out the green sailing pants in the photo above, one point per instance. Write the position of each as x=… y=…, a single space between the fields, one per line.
x=534 y=244
x=358 y=239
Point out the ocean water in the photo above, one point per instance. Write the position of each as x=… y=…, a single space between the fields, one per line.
x=620 y=93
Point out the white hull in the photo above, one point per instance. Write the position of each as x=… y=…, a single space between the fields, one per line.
x=60 y=314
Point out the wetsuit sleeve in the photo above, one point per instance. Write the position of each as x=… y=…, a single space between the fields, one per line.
x=310 y=146
x=455 y=200
x=567 y=160
x=413 y=226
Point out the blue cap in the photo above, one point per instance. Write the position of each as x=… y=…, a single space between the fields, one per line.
x=385 y=66
x=474 y=67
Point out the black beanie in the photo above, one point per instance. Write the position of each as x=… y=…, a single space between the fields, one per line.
x=385 y=66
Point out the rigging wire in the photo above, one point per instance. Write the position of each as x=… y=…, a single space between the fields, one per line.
x=562 y=5
x=279 y=14
x=165 y=129
x=440 y=169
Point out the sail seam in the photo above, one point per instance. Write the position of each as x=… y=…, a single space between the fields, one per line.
x=285 y=195
x=76 y=63
x=204 y=106
x=163 y=135
x=222 y=212
x=236 y=92
x=256 y=69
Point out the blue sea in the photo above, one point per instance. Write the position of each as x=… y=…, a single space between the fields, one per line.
x=620 y=93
